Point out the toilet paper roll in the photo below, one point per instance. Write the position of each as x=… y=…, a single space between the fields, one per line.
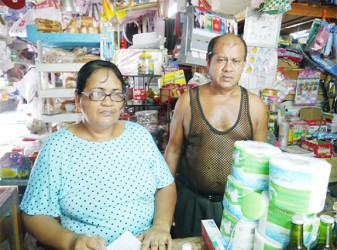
x=275 y=224
x=234 y=193
x=238 y=234
x=263 y=243
x=298 y=183
x=228 y=222
x=250 y=164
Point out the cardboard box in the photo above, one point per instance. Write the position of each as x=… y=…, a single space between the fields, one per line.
x=213 y=238
x=311 y=113
x=322 y=149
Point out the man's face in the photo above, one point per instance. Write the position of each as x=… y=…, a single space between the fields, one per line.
x=227 y=63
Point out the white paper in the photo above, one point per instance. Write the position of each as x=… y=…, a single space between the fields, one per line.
x=125 y=242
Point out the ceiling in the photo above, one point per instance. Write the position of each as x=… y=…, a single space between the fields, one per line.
x=300 y=16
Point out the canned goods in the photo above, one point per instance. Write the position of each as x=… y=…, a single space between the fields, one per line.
x=273 y=103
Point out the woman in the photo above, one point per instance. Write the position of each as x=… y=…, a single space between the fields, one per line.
x=100 y=177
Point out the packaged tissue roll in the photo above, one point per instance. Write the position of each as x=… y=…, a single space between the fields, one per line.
x=298 y=183
x=262 y=243
x=251 y=163
x=238 y=234
x=275 y=224
x=234 y=193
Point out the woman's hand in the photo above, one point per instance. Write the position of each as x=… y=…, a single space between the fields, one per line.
x=84 y=242
x=156 y=238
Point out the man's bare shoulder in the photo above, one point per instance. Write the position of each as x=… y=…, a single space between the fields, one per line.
x=255 y=99
x=184 y=99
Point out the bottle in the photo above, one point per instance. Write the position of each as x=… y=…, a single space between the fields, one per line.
x=296 y=234
x=271 y=136
x=324 y=241
x=145 y=64
x=334 y=231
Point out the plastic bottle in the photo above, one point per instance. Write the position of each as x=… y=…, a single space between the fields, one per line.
x=334 y=231
x=296 y=234
x=271 y=137
x=324 y=241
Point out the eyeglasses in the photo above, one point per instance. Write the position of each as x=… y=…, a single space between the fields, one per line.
x=98 y=96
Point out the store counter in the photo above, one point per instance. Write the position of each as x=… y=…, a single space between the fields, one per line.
x=10 y=236
x=197 y=243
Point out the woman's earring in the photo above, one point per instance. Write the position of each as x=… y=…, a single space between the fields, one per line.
x=77 y=109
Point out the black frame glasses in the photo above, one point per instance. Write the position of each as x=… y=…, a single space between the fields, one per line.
x=99 y=96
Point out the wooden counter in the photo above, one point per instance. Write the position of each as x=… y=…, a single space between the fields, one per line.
x=197 y=243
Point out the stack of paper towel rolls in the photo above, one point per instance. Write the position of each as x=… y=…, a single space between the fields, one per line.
x=292 y=184
x=250 y=173
x=297 y=185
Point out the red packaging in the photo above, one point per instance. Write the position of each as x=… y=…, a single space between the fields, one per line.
x=216 y=24
x=322 y=149
x=139 y=93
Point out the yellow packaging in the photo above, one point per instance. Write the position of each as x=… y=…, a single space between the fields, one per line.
x=175 y=77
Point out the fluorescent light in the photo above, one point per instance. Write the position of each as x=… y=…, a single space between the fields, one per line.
x=300 y=34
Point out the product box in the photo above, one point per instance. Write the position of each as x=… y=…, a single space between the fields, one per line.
x=298 y=130
x=176 y=77
x=317 y=125
x=311 y=113
x=212 y=236
x=322 y=149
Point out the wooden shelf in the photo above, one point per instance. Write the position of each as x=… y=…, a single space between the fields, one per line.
x=303 y=9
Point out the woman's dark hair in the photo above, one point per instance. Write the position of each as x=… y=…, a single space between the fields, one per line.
x=90 y=67
x=214 y=40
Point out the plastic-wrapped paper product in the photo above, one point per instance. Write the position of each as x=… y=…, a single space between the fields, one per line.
x=250 y=164
x=243 y=240
x=234 y=193
x=275 y=224
x=298 y=183
x=261 y=242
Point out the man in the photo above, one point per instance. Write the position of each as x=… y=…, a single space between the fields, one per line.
x=206 y=123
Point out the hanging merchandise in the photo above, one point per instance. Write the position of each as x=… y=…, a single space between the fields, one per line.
x=276 y=6
x=307 y=87
x=15 y=4
x=108 y=12
x=322 y=45
x=321 y=37
x=91 y=8
x=18 y=28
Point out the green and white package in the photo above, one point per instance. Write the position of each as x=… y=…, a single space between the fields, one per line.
x=298 y=183
x=250 y=165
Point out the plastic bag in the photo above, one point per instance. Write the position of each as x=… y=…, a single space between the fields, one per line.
x=19 y=26
x=48 y=9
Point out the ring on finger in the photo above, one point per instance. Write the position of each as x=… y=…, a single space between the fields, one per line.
x=161 y=242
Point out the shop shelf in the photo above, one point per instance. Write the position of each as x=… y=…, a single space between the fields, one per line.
x=67 y=40
x=63 y=116
x=58 y=67
x=56 y=92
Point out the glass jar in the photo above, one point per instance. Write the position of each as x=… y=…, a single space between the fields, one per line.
x=145 y=64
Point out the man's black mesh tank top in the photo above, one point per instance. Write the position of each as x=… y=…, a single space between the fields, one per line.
x=207 y=153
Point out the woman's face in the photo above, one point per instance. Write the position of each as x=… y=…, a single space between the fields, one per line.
x=101 y=114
